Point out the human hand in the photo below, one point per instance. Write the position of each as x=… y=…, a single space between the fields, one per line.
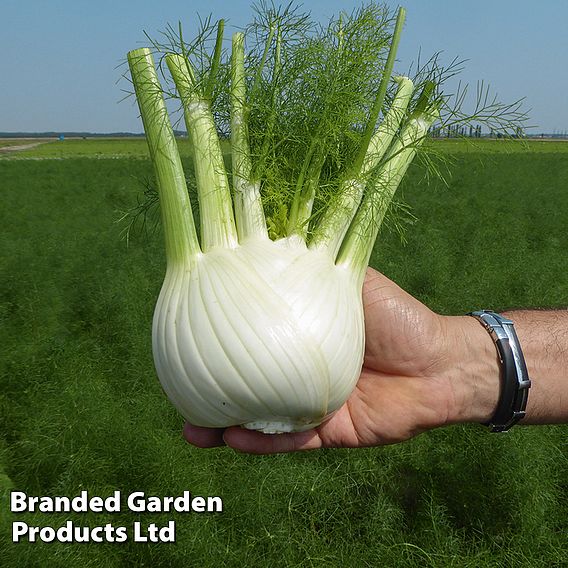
x=421 y=370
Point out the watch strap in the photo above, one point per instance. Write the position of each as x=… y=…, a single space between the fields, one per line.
x=515 y=382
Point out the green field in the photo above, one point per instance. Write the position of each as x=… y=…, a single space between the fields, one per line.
x=90 y=148
x=81 y=407
x=136 y=147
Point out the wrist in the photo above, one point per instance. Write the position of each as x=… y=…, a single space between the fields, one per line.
x=472 y=370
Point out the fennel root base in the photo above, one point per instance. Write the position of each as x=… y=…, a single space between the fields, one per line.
x=282 y=426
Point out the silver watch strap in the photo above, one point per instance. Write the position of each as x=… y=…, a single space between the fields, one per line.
x=515 y=381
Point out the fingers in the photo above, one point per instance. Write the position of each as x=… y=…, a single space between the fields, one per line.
x=257 y=443
x=203 y=437
x=251 y=441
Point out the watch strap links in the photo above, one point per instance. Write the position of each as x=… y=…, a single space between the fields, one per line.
x=515 y=382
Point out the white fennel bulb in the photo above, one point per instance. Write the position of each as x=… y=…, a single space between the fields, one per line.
x=268 y=335
x=259 y=322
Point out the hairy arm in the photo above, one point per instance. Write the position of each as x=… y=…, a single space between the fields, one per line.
x=544 y=340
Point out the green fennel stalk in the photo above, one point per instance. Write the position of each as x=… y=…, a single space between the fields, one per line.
x=179 y=229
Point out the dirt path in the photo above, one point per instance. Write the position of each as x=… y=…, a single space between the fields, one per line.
x=19 y=147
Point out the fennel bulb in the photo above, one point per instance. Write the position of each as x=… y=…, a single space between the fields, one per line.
x=268 y=335
x=259 y=322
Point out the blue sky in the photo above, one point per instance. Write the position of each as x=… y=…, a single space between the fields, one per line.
x=60 y=58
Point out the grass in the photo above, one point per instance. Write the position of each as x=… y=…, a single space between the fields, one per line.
x=494 y=237
x=81 y=408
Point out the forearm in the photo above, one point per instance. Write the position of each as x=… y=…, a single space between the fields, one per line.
x=475 y=377
x=543 y=336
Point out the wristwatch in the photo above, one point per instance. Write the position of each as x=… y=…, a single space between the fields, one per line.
x=515 y=382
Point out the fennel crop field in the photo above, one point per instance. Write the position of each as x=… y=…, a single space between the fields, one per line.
x=81 y=407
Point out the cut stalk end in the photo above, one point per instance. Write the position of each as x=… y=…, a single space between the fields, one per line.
x=358 y=244
x=179 y=228
x=215 y=205
x=336 y=221
x=249 y=213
